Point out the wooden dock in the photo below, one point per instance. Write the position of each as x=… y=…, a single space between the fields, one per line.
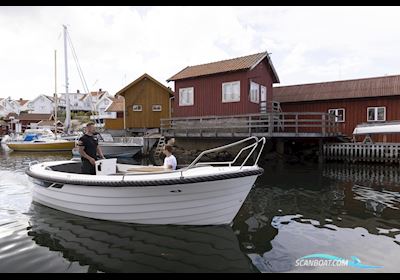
x=270 y=125
x=365 y=152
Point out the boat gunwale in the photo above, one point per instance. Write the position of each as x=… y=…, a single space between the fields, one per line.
x=128 y=182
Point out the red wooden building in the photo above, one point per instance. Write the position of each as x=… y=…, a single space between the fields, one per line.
x=236 y=86
x=26 y=120
x=370 y=100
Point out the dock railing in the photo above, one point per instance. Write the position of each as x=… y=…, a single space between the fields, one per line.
x=273 y=124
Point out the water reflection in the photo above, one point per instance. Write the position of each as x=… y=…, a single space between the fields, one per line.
x=293 y=210
x=19 y=161
x=369 y=175
x=288 y=216
x=121 y=247
x=376 y=200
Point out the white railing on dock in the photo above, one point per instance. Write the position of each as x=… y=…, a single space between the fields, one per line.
x=273 y=124
x=352 y=152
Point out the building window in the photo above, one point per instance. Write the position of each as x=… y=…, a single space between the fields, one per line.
x=231 y=92
x=376 y=114
x=137 y=108
x=156 y=108
x=339 y=114
x=254 y=92
x=186 y=96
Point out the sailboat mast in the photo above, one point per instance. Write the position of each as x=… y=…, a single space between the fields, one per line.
x=55 y=93
x=67 y=105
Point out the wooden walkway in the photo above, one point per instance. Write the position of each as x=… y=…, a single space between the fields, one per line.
x=366 y=152
x=271 y=125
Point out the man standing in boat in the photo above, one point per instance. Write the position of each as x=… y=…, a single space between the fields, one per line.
x=89 y=149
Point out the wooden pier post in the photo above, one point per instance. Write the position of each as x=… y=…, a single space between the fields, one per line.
x=280 y=146
x=321 y=158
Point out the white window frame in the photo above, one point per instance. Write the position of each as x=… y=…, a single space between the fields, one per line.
x=261 y=90
x=155 y=109
x=254 y=92
x=233 y=98
x=376 y=114
x=189 y=91
x=336 y=113
x=137 y=108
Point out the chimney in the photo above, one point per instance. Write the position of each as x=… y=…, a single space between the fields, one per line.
x=20 y=99
x=77 y=91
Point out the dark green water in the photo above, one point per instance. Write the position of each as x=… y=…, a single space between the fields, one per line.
x=293 y=211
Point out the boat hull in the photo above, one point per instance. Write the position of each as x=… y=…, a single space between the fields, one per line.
x=42 y=147
x=189 y=201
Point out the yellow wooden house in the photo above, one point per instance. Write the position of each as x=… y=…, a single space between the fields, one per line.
x=146 y=102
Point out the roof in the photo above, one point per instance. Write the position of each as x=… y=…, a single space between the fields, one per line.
x=28 y=117
x=116 y=106
x=9 y=115
x=144 y=76
x=51 y=98
x=240 y=63
x=49 y=123
x=93 y=94
x=22 y=102
x=357 y=88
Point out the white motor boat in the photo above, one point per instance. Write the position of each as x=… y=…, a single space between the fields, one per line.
x=203 y=193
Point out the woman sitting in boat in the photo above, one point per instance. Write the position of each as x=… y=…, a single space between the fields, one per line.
x=89 y=149
x=170 y=160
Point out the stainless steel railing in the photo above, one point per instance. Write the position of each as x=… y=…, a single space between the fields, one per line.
x=252 y=146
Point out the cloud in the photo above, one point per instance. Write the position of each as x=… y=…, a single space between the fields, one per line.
x=115 y=45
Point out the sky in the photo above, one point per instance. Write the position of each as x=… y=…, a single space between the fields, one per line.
x=116 y=45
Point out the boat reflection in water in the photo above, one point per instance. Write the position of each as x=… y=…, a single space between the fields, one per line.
x=119 y=247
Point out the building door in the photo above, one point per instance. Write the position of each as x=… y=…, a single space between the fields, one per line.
x=263 y=100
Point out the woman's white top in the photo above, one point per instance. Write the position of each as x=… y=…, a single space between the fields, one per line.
x=170 y=160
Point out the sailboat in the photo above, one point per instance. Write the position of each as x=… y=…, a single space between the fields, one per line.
x=45 y=141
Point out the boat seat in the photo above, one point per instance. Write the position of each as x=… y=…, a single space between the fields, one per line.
x=148 y=169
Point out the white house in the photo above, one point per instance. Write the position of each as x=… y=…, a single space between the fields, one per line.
x=93 y=98
x=104 y=101
x=23 y=104
x=82 y=101
x=7 y=105
x=77 y=101
x=42 y=104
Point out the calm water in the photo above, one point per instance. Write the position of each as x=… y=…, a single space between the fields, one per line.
x=293 y=211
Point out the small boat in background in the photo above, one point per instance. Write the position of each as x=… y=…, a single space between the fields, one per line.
x=40 y=140
x=116 y=146
x=203 y=193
